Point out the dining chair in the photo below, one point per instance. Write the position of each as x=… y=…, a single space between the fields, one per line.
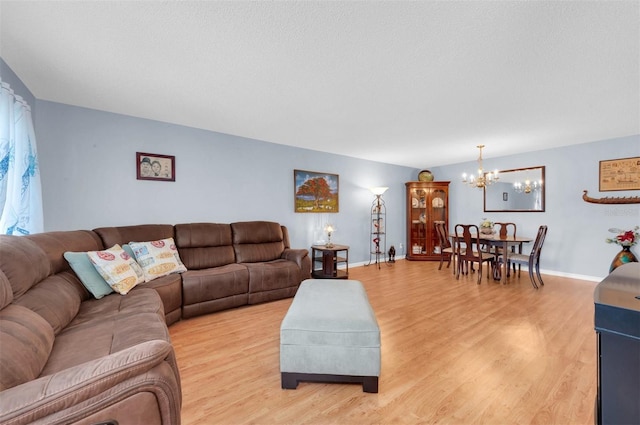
x=468 y=250
x=531 y=260
x=507 y=229
x=446 y=249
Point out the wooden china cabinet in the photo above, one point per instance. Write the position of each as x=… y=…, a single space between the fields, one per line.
x=427 y=202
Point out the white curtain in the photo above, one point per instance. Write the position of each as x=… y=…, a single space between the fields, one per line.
x=20 y=190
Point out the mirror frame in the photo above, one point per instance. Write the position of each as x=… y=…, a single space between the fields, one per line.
x=501 y=173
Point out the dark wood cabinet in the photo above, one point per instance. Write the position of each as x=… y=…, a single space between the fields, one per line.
x=427 y=202
x=617 y=325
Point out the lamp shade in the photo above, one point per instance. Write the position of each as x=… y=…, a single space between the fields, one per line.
x=378 y=190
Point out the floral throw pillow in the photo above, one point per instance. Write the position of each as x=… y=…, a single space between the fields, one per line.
x=157 y=258
x=117 y=268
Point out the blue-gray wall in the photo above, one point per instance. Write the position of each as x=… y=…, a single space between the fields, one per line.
x=88 y=164
x=87 y=161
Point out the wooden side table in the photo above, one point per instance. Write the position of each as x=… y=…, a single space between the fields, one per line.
x=325 y=261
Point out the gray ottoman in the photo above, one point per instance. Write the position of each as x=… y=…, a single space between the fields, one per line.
x=330 y=334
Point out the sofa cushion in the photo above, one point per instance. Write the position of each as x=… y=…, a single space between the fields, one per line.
x=205 y=245
x=272 y=280
x=105 y=326
x=218 y=288
x=23 y=263
x=87 y=273
x=141 y=300
x=271 y=275
x=257 y=241
x=117 y=267
x=218 y=282
x=141 y=232
x=57 y=299
x=6 y=295
x=27 y=340
x=55 y=244
x=157 y=258
x=170 y=290
x=41 y=279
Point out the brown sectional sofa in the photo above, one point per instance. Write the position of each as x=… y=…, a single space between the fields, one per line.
x=66 y=357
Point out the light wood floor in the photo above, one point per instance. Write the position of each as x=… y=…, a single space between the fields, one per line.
x=453 y=352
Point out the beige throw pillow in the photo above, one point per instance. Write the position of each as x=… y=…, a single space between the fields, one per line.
x=117 y=268
x=157 y=258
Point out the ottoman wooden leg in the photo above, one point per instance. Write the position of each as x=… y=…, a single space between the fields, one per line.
x=289 y=381
x=370 y=384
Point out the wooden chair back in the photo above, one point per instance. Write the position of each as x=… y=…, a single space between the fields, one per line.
x=506 y=229
x=537 y=244
x=443 y=234
x=446 y=250
x=532 y=260
x=468 y=242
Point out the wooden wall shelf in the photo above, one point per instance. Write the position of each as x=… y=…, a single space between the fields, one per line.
x=611 y=199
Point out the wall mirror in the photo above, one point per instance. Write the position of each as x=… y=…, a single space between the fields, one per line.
x=520 y=190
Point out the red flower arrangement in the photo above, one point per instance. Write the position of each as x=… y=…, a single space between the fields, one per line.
x=625 y=237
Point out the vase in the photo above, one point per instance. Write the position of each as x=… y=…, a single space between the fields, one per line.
x=486 y=230
x=623 y=257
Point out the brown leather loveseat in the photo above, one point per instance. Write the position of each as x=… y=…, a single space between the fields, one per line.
x=66 y=357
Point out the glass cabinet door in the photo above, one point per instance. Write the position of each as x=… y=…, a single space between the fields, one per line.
x=419 y=217
x=437 y=212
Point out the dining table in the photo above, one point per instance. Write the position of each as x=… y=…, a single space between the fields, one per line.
x=505 y=242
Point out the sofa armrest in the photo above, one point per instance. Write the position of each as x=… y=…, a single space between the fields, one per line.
x=301 y=258
x=49 y=394
x=295 y=255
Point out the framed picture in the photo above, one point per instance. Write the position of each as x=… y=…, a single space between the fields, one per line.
x=152 y=166
x=315 y=192
x=620 y=174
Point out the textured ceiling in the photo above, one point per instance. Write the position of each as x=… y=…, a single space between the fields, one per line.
x=410 y=83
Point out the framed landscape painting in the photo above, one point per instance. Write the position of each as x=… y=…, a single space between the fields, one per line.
x=315 y=192
x=151 y=166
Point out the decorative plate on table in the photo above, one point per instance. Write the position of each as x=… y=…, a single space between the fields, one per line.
x=425 y=176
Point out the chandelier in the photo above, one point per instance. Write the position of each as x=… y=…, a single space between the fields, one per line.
x=483 y=179
x=528 y=186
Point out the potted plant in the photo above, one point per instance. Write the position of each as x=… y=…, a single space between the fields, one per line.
x=486 y=227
